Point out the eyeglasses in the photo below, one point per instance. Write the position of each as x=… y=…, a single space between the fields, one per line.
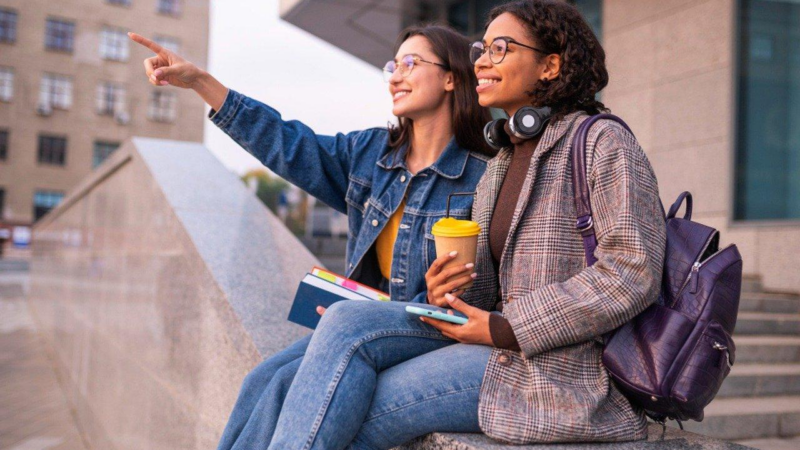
x=405 y=66
x=497 y=49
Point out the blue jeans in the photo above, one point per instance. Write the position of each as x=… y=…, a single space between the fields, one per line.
x=255 y=414
x=374 y=377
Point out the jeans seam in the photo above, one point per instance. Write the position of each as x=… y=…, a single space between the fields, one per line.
x=339 y=371
x=443 y=394
x=232 y=112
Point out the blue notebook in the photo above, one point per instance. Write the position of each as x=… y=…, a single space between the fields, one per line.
x=315 y=291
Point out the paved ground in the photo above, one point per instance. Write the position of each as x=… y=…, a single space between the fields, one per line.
x=34 y=414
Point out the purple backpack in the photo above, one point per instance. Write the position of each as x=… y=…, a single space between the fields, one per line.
x=671 y=359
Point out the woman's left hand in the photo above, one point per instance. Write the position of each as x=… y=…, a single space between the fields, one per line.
x=475 y=331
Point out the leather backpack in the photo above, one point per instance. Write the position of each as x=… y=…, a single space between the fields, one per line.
x=671 y=359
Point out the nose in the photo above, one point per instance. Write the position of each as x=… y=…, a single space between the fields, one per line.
x=396 y=76
x=484 y=62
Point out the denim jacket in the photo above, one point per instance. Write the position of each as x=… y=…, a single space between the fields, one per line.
x=359 y=175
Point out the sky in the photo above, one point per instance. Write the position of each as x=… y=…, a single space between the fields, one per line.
x=254 y=52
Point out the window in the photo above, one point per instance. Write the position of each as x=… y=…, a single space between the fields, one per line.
x=170 y=7
x=59 y=35
x=44 y=201
x=55 y=91
x=592 y=11
x=169 y=43
x=6 y=84
x=110 y=99
x=114 y=44
x=3 y=145
x=2 y=202
x=53 y=150
x=102 y=150
x=119 y=2
x=163 y=106
x=768 y=139
x=8 y=26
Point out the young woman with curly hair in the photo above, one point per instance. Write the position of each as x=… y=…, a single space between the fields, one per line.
x=526 y=367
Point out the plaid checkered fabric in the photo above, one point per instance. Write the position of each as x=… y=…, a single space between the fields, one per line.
x=556 y=389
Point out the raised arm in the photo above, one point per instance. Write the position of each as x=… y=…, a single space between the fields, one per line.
x=317 y=164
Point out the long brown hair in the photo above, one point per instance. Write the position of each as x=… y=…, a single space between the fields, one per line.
x=558 y=27
x=469 y=117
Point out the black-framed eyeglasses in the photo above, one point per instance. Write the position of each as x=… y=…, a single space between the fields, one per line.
x=497 y=49
x=405 y=66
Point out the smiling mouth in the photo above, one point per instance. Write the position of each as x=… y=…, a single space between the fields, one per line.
x=400 y=94
x=487 y=81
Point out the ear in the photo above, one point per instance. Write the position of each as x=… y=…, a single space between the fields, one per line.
x=552 y=69
x=449 y=82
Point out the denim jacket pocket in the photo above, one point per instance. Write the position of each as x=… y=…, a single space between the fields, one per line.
x=358 y=193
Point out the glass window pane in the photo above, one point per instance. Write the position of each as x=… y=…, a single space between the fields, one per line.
x=59 y=35
x=44 y=201
x=8 y=26
x=6 y=84
x=768 y=141
x=3 y=145
x=102 y=150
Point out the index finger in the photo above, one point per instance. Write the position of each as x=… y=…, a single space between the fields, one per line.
x=146 y=42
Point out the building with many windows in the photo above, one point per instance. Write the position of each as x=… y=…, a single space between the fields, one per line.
x=72 y=89
x=711 y=88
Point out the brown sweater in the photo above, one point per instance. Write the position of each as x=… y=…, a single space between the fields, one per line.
x=501 y=331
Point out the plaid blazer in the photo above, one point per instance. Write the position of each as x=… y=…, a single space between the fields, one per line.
x=556 y=388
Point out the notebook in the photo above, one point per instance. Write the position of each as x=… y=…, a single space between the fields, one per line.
x=324 y=288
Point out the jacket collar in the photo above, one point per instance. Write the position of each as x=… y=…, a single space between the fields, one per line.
x=451 y=162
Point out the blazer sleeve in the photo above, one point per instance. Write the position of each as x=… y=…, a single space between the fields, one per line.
x=318 y=164
x=626 y=278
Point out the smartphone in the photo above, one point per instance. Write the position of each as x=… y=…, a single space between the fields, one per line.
x=438 y=313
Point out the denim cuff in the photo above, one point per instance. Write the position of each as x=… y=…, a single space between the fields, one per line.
x=227 y=111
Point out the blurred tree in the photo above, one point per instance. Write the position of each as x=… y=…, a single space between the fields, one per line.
x=268 y=189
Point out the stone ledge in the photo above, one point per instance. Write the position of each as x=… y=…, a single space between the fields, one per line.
x=673 y=439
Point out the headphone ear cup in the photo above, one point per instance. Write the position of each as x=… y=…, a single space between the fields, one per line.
x=496 y=135
x=528 y=122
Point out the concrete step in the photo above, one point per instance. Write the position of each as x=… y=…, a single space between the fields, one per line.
x=792 y=443
x=750 y=323
x=760 y=380
x=773 y=303
x=750 y=418
x=767 y=349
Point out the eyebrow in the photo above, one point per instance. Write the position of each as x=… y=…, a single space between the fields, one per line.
x=408 y=54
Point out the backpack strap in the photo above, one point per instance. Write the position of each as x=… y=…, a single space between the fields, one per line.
x=580 y=185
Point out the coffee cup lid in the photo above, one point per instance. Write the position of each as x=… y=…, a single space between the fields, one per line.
x=452 y=227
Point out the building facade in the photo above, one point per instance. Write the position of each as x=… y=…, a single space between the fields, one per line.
x=711 y=88
x=72 y=89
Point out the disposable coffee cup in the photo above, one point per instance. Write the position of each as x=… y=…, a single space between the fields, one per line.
x=460 y=235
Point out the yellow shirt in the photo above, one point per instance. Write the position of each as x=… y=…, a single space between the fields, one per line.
x=384 y=246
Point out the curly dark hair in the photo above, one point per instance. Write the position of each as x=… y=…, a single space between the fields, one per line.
x=558 y=27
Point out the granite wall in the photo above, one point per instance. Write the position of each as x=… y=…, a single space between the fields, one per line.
x=159 y=283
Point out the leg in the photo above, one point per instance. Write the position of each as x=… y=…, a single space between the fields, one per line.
x=254 y=385
x=437 y=391
x=354 y=341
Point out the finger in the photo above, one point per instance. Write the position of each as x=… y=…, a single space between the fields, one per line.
x=439 y=262
x=162 y=73
x=147 y=43
x=459 y=305
x=321 y=310
x=149 y=65
x=455 y=270
x=441 y=325
x=458 y=283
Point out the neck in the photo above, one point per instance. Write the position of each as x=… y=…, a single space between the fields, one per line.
x=429 y=137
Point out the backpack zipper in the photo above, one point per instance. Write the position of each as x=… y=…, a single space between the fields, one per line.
x=693 y=274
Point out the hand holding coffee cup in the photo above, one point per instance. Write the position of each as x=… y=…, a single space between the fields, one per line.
x=453 y=270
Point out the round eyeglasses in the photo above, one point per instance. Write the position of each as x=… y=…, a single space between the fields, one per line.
x=497 y=49
x=405 y=66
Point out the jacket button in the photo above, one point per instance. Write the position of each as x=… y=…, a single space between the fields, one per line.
x=510 y=299
x=504 y=359
x=374 y=222
x=366 y=204
x=402 y=178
